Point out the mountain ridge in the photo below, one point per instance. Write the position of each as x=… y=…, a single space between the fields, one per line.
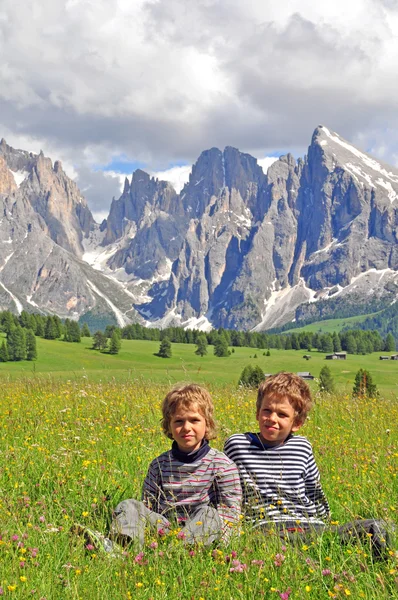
x=236 y=248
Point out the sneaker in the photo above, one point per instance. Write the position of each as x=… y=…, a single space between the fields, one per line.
x=98 y=540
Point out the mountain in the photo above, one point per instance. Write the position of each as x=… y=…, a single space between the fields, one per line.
x=44 y=220
x=237 y=248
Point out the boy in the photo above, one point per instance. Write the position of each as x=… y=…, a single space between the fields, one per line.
x=279 y=476
x=193 y=483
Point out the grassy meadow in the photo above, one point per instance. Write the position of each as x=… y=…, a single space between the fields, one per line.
x=59 y=360
x=70 y=450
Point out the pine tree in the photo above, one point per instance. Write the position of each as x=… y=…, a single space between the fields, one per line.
x=351 y=344
x=100 y=341
x=336 y=342
x=115 y=343
x=201 y=345
x=7 y=320
x=363 y=385
x=389 y=345
x=39 y=326
x=74 y=332
x=326 y=383
x=3 y=352
x=16 y=344
x=221 y=346
x=245 y=376
x=165 y=348
x=50 y=329
x=327 y=343
x=251 y=376
x=85 y=332
x=31 y=350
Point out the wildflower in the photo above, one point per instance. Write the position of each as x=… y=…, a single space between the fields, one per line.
x=14 y=538
x=181 y=535
x=238 y=567
x=258 y=563
x=139 y=585
x=23 y=578
x=326 y=572
x=85 y=514
x=307 y=588
x=285 y=595
x=42 y=519
x=154 y=545
x=279 y=558
x=139 y=557
x=90 y=547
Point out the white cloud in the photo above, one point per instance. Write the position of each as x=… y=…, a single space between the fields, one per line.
x=178 y=176
x=159 y=81
x=266 y=162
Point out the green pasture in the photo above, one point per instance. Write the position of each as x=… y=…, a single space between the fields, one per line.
x=331 y=325
x=137 y=361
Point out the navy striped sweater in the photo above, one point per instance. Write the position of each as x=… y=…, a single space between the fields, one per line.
x=280 y=483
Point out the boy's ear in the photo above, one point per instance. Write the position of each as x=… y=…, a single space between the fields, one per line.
x=297 y=425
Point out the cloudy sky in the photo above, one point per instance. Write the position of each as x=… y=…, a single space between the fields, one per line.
x=111 y=85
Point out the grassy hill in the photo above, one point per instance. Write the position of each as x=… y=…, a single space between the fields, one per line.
x=330 y=325
x=136 y=361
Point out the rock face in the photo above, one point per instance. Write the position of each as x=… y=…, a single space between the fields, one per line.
x=257 y=247
x=52 y=195
x=42 y=223
x=237 y=248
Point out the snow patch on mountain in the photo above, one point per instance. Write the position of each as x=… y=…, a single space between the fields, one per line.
x=20 y=176
x=121 y=320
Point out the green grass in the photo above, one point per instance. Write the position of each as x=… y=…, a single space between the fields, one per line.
x=331 y=325
x=69 y=451
x=136 y=361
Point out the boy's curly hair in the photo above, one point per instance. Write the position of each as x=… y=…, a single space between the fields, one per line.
x=290 y=386
x=184 y=396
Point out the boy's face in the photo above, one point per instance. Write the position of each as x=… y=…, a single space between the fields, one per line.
x=277 y=419
x=188 y=428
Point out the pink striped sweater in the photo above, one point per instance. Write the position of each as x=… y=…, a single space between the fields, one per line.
x=213 y=480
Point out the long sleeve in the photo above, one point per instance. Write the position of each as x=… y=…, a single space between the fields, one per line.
x=229 y=493
x=152 y=487
x=313 y=488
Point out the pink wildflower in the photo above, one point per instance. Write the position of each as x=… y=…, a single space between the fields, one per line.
x=139 y=557
x=238 y=567
x=279 y=558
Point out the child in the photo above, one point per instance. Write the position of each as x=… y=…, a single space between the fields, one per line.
x=279 y=476
x=192 y=483
x=280 y=479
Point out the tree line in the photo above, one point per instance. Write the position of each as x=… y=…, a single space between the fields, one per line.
x=355 y=341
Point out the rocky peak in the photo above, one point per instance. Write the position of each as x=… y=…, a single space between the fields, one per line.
x=141 y=200
x=7 y=181
x=206 y=180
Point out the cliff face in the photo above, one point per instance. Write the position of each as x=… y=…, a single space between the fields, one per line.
x=43 y=220
x=52 y=194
